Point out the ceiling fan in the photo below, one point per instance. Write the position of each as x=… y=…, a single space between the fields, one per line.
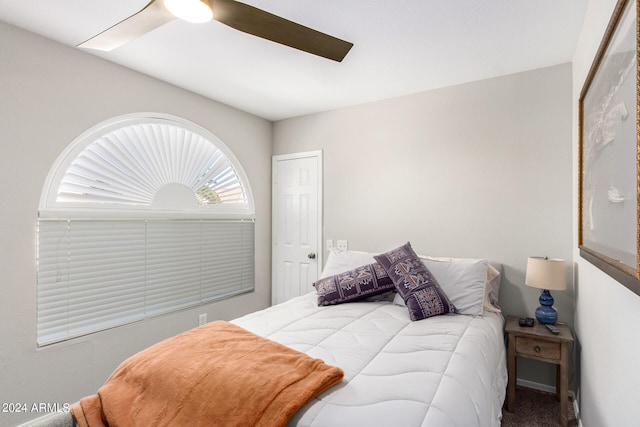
x=235 y=14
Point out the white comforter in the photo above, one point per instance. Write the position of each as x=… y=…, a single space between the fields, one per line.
x=443 y=371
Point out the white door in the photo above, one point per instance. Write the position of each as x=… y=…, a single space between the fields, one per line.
x=297 y=224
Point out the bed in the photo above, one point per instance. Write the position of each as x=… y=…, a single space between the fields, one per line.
x=447 y=369
x=443 y=371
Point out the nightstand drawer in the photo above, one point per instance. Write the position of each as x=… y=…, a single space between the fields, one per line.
x=538 y=348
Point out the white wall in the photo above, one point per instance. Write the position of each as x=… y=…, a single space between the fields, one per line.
x=49 y=94
x=607 y=313
x=477 y=170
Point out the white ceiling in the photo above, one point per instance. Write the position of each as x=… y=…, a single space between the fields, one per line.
x=400 y=47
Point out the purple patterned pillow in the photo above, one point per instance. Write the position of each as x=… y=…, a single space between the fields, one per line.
x=353 y=285
x=415 y=284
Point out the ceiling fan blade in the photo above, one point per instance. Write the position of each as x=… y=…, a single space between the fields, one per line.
x=257 y=22
x=149 y=18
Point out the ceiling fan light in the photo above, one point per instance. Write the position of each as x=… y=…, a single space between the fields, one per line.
x=197 y=11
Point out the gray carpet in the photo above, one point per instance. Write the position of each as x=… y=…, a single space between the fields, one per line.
x=536 y=408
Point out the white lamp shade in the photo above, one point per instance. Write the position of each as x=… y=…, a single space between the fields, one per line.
x=546 y=273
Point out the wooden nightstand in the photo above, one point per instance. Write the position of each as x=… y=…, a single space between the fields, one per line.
x=539 y=343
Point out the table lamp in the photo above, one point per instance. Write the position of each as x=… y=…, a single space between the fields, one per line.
x=546 y=274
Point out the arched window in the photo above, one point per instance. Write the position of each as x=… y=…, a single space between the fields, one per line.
x=141 y=215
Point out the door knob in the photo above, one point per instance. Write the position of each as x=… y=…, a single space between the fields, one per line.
x=311 y=255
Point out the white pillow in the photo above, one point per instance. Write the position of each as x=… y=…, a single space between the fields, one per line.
x=463 y=280
x=493 y=288
x=341 y=261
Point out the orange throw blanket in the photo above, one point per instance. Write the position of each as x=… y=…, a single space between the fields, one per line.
x=215 y=375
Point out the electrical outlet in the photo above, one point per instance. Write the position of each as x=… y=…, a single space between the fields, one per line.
x=329 y=244
x=202 y=319
x=341 y=245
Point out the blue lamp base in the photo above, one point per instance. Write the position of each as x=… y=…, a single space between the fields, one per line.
x=546 y=314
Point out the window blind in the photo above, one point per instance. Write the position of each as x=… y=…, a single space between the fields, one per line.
x=95 y=274
x=127 y=166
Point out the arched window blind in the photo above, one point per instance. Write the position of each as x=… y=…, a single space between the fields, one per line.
x=140 y=216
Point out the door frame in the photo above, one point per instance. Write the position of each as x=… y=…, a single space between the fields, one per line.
x=320 y=250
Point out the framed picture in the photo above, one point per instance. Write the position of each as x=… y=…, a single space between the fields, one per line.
x=609 y=152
